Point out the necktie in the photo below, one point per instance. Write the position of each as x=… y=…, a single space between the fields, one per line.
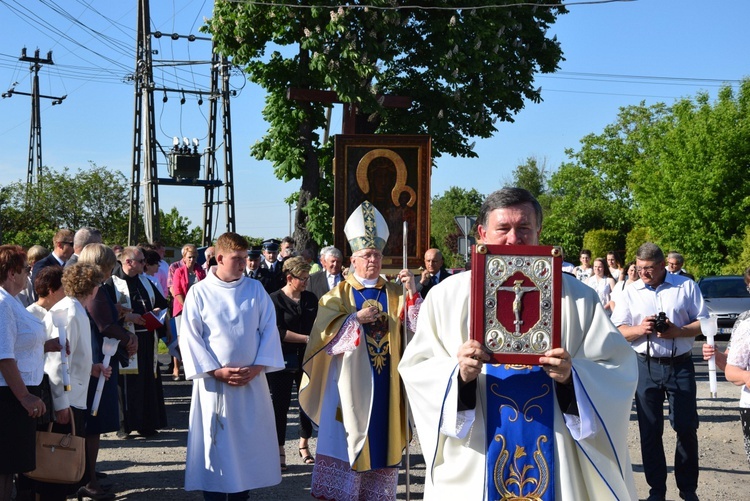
x=434 y=280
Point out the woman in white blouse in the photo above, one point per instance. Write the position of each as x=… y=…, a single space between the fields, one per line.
x=81 y=282
x=21 y=370
x=602 y=282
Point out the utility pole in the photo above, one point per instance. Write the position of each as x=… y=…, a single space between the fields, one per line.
x=35 y=132
x=183 y=162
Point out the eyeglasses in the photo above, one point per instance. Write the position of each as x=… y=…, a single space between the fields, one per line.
x=141 y=261
x=67 y=243
x=645 y=269
x=301 y=279
x=370 y=256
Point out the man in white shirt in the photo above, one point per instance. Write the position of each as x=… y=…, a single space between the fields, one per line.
x=659 y=315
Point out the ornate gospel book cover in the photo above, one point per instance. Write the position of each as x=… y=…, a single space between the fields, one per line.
x=515 y=300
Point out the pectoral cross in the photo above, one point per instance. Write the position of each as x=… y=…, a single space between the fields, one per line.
x=517 y=306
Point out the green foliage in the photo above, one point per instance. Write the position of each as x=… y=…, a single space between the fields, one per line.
x=692 y=186
x=738 y=266
x=454 y=202
x=578 y=202
x=636 y=237
x=254 y=241
x=95 y=197
x=463 y=70
x=679 y=171
x=599 y=242
x=175 y=229
x=531 y=176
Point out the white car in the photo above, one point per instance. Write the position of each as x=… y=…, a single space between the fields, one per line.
x=726 y=297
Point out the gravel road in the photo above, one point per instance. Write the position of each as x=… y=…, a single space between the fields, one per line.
x=153 y=469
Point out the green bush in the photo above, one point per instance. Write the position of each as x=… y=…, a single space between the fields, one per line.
x=636 y=237
x=599 y=242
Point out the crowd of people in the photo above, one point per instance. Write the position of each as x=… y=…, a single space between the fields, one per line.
x=252 y=324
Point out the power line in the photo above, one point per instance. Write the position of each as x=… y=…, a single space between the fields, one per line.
x=649 y=77
x=427 y=7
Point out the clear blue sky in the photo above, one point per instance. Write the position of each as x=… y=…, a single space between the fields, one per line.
x=616 y=54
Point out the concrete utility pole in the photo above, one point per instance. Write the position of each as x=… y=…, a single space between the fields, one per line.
x=184 y=162
x=35 y=133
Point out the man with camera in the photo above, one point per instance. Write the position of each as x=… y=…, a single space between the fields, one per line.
x=659 y=315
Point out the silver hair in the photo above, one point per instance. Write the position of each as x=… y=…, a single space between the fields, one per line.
x=332 y=251
x=677 y=256
x=86 y=235
x=649 y=252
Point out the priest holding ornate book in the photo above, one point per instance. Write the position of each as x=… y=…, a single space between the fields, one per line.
x=554 y=428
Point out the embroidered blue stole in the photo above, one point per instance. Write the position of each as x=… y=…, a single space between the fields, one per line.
x=378 y=350
x=520 y=434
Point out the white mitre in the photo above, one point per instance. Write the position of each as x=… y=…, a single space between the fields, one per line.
x=366 y=228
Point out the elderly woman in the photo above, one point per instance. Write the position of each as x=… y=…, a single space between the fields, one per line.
x=22 y=339
x=105 y=322
x=296 y=309
x=184 y=277
x=81 y=283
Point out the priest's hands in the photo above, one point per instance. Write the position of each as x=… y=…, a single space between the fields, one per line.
x=558 y=364
x=407 y=278
x=471 y=359
x=237 y=376
x=368 y=315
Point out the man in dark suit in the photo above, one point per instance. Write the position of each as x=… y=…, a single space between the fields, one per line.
x=83 y=237
x=675 y=263
x=62 y=249
x=434 y=271
x=330 y=276
x=269 y=273
x=252 y=265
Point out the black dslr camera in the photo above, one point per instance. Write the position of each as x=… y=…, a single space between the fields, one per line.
x=660 y=322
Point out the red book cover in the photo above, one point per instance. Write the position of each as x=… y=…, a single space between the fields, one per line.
x=153 y=321
x=516 y=293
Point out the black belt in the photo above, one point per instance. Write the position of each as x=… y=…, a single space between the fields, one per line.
x=677 y=359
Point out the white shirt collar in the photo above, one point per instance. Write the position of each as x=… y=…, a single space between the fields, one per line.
x=367 y=282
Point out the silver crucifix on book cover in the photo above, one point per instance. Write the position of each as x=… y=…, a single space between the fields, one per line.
x=516 y=291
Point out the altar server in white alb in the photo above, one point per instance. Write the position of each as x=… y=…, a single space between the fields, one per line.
x=556 y=431
x=229 y=341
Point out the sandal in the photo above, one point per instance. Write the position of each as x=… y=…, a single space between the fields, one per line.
x=282 y=458
x=306 y=458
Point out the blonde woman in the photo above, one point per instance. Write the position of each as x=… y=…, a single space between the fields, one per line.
x=184 y=277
